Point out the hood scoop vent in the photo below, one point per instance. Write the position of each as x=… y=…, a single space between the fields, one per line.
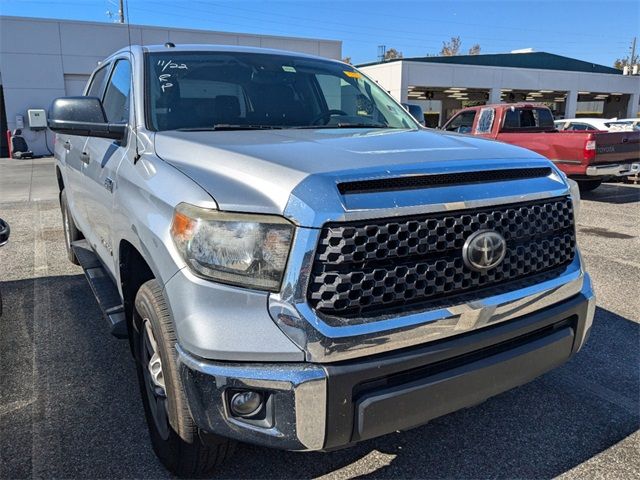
x=415 y=182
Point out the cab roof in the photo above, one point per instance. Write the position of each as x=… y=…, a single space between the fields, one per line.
x=170 y=47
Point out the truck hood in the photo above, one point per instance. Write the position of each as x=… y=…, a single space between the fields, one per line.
x=265 y=171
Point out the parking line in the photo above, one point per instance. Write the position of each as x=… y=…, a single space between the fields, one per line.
x=41 y=333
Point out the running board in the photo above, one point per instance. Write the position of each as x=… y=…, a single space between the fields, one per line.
x=103 y=288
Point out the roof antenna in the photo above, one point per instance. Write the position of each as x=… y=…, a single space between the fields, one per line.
x=135 y=116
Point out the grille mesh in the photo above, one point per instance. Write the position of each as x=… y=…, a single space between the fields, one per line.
x=368 y=268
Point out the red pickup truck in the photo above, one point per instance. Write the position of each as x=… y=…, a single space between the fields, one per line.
x=587 y=157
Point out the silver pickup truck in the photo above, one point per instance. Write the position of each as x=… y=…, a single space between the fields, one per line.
x=296 y=262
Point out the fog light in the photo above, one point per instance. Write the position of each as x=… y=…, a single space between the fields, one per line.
x=246 y=404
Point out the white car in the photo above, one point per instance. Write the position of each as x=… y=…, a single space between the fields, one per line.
x=583 y=124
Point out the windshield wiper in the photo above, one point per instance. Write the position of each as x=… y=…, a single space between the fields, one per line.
x=226 y=126
x=362 y=125
x=346 y=125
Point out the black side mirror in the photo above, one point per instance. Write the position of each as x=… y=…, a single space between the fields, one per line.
x=83 y=116
x=4 y=232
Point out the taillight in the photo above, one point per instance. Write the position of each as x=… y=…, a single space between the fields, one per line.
x=590 y=148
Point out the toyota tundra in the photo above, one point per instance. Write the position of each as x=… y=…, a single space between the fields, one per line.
x=296 y=262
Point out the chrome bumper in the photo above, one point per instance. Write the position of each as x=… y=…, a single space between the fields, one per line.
x=298 y=391
x=324 y=342
x=615 y=170
x=316 y=407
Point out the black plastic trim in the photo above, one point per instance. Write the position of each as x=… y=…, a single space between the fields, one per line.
x=413 y=182
x=348 y=381
x=415 y=403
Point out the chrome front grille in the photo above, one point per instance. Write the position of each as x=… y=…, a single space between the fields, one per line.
x=367 y=269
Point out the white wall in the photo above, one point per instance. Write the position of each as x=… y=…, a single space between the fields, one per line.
x=388 y=76
x=41 y=59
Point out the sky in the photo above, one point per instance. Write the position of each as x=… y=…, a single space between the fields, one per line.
x=595 y=31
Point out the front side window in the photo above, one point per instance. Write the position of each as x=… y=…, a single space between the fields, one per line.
x=462 y=123
x=207 y=90
x=97 y=82
x=116 y=98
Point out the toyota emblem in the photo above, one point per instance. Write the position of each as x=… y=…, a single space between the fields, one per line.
x=484 y=250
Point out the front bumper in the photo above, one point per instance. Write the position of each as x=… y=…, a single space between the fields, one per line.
x=318 y=407
x=615 y=170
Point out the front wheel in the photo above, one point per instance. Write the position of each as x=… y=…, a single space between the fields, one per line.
x=588 y=185
x=175 y=438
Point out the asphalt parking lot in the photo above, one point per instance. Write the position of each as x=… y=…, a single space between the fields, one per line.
x=70 y=408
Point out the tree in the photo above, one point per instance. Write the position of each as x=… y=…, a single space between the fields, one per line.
x=475 y=50
x=347 y=60
x=391 y=54
x=451 y=48
x=620 y=63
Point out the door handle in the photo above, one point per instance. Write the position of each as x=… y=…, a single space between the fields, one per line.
x=67 y=145
x=84 y=158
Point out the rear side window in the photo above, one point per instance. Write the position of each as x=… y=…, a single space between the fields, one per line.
x=96 y=87
x=116 y=98
x=462 y=123
x=523 y=118
x=485 y=120
x=579 y=126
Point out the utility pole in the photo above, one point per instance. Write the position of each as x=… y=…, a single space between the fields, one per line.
x=121 y=12
x=633 y=59
x=382 y=50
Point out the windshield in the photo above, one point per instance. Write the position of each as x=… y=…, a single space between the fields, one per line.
x=236 y=90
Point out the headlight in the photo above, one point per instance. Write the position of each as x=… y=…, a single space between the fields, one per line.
x=235 y=248
x=574 y=189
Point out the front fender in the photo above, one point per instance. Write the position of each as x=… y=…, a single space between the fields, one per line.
x=146 y=195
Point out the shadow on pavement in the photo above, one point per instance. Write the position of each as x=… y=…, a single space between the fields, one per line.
x=81 y=415
x=538 y=430
x=616 y=193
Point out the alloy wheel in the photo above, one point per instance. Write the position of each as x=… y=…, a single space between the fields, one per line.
x=151 y=365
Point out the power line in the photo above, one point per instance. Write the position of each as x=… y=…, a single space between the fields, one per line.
x=403 y=42
x=351 y=26
x=421 y=34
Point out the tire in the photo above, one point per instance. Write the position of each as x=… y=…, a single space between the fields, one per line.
x=181 y=446
x=588 y=185
x=71 y=232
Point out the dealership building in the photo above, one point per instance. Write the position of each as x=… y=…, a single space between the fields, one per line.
x=42 y=59
x=570 y=87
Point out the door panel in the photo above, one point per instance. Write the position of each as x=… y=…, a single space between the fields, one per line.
x=70 y=148
x=100 y=177
x=103 y=158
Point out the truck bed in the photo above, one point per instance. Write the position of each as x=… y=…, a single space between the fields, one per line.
x=581 y=154
x=569 y=147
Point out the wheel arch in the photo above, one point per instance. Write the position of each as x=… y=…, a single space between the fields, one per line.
x=59 y=178
x=134 y=271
